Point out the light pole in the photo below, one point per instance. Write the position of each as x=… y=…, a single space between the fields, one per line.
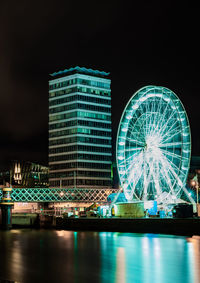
x=74 y=179
x=195 y=184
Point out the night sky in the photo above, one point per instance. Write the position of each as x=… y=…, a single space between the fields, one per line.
x=138 y=42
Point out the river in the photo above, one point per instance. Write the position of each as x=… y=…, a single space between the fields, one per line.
x=97 y=257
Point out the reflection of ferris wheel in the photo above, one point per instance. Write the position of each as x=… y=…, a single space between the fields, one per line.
x=153 y=146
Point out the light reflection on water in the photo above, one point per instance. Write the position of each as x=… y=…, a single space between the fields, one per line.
x=67 y=256
x=150 y=258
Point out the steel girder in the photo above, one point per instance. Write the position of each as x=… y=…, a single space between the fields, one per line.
x=59 y=195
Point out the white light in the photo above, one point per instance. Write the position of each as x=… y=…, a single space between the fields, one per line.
x=179 y=182
x=166 y=99
x=184 y=168
x=135 y=106
x=150 y=95
x=124 y=130
x=121 y=143
x=120 y=157
x=129 y=117
x=185 y=134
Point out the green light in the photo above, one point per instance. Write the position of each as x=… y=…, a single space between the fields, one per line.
x=59 y=195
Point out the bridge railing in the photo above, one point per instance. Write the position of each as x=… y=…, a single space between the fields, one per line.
x=59 y=195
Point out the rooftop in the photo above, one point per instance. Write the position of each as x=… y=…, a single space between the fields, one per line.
x=80 y=70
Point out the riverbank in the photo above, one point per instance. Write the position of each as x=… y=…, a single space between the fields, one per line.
x=178 y=226
x=174 y=226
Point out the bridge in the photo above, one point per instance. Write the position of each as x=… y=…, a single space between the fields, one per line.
x=59 y=195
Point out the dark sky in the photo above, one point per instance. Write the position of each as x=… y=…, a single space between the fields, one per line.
x=138 y=42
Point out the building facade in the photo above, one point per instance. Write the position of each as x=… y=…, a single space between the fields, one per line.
x=24 y=174
x=80 y=150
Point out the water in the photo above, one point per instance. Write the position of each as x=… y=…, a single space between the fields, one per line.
x=92 y=257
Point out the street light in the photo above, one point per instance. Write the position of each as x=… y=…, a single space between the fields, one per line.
x=194 y=183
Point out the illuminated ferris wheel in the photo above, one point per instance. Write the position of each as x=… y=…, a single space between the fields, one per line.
x=154 y=146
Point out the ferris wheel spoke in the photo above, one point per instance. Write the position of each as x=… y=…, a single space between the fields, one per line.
x=157 y=185
x=169 y=153
x=133 y=140
x=164 y=123
x=136 y=141
x=133 y=149
x=134 y=175
x=179 y=182
x=172 y=154
x=171 y=144
x=152 y=117
x=130 y=163
x=172 y=166
x=176 y=168
x=147 y=117
x=155 y=120
x=172 y=136
x=141 y=121
x=170 y=130
x=129 y=159
x=145 y=181
x=171 y=115
x=165 y=164
x=154 y=175
x=161 y=122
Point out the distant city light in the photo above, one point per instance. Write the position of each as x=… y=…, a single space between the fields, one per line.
x=193 y=183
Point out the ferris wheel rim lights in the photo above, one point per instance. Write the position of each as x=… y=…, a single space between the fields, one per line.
x=148 y=145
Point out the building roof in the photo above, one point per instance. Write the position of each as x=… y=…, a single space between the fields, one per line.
x=80 y=70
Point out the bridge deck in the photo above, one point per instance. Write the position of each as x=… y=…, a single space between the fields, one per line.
x=59 y=195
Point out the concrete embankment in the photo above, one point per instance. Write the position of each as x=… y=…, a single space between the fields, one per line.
x=25 y=220
x=33 y=220
x=175 y=226
x=185 y=226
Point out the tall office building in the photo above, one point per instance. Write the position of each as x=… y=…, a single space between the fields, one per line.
x=80 y=150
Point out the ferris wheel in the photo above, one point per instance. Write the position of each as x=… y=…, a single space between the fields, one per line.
x=153 y=146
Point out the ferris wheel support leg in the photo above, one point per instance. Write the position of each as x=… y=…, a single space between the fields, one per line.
x=145 y=184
